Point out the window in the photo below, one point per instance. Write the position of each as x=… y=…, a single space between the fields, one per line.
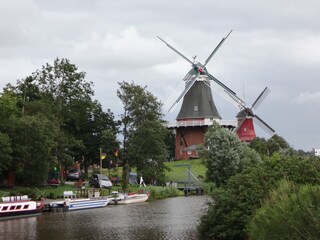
x=5 y=208
x=26 y=206
x=196 y=108
x=13 y=207
x=18 y=207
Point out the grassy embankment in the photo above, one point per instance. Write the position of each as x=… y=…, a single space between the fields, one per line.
x=176 y=174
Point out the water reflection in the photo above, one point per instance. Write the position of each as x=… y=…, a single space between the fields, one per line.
x=19 y=228
x=173 y=218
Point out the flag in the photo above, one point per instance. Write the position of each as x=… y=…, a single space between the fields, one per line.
x=103 y=156
x=116 y=152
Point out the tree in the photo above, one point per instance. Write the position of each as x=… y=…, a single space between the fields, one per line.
x=224 y=155
x=275 y=144
x=139 y=106
x=33 y=144
x=260 y=145
x=5 y=152
x=57 y=94
x=234 y=204
x=7 y=109
x=147 y=150
x=248 y=157
x=63 y=91
x=291 y=212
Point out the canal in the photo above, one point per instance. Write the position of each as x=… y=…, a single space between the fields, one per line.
x=172 y=218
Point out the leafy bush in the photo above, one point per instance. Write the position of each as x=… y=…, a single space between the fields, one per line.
x=291 y=212
x=234 y=205
x=162 y=192
x=225 y=155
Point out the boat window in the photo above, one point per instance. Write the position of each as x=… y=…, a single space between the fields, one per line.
x=18 y=207
x=13 y=207
x=5 y=208
x=25 y=206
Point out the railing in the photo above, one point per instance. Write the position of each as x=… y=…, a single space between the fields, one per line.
x=201 y=122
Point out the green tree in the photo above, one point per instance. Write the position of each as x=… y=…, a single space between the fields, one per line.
x=235 y=204
x=139 y=106
x=63 y=91
x=8 y=109
x=291 y=212
x=59 y=94
x=260 y=145
x=5 y=152
x=147 y=150
x=33 y=142
x=224 y=155
x=275 y=144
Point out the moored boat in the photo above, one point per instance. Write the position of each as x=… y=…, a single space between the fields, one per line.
x=19 y=206
x=124 y=198
x=85 y=203
x=79 y=204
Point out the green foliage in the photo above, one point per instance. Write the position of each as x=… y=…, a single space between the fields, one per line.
x=147 y=150
x=162 y=192
x=244 y=192
x=221 y=154
x=248 y=157
x=33 y=140
x=8 y=108
x=53 y=101
x=5 y=152
x=144 y=136
x=275 y=144
x=291 y=212
x=224 y=155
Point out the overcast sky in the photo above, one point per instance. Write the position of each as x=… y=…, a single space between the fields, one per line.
x=273 y=43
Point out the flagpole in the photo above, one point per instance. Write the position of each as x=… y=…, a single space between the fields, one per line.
x=100 y=153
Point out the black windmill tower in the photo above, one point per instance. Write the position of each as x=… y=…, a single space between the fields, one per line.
x=198 y=110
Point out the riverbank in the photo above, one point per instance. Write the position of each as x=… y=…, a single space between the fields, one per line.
x=177 y=173
x=156 y=192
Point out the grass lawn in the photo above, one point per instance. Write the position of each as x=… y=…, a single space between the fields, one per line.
x=179 y=169
x=176 y=173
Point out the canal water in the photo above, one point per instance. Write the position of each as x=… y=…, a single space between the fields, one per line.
x=168 y=219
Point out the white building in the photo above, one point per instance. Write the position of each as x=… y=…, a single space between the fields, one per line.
x=317 y=152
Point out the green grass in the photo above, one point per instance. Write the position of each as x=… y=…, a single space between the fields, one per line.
x=179 y=173
x=176 y=173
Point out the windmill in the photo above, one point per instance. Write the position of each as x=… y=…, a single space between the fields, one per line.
x=198 y=110
x=245 y=129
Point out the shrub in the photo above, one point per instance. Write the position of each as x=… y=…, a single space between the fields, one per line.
x=162 y=192
x=291 y=212
x=234 y=205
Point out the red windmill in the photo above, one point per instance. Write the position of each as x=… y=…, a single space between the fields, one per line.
x=245 y=129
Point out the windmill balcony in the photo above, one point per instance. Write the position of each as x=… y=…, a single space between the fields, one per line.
x=202 y=122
